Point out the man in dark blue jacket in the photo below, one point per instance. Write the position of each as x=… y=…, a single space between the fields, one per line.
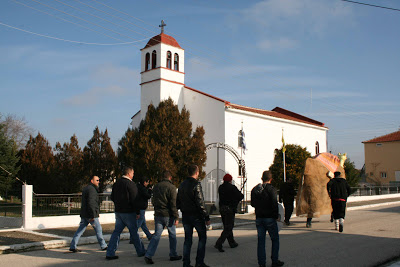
x=90 y=209
x=124 y=195
x=264 y=200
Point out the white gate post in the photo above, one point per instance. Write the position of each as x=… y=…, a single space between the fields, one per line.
x=27 y=191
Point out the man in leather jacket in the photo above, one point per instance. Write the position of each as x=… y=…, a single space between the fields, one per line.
x=190 y=201
x=90 y=210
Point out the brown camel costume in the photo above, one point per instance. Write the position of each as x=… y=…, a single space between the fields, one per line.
x=312 y=197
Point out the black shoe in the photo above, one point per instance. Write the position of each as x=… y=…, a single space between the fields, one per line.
x=176 y=258
x=287 y=223
x=111 y=257
x=308 y=225
x=202 y=265
x=148 y=260
x=220 y=249
x=74 y=250
x=104 y=248
x=277 y=263
x=130 y=242
x=340 y=227
x=234 y=245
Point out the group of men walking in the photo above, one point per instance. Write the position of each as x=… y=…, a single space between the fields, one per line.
x=130 y=208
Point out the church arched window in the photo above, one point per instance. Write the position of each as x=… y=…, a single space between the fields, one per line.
x=147 y=64
x=154 y=59
x=169 y=58
x=176 y=62
x=316 y=147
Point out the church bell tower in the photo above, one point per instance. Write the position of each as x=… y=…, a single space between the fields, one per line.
x=162 y=71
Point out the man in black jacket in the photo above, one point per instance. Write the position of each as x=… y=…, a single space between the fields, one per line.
x=124 y=193
x=338 y=190
x=264 y=200
x=90 y=209
x=144 y=194
x=190 y=201
x=165 y=215
x=287 y=194
x=229 y=198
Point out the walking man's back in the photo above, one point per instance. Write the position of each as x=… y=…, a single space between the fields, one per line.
x=190 y=201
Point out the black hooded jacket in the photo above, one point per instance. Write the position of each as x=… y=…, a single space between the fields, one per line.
x=264 y=200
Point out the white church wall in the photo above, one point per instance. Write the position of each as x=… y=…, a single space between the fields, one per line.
x=263 y=134
x=209 y=113
x=173 y=90
x=149 y=93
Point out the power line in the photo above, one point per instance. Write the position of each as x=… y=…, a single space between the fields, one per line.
x=365 y=4
x=83 y=19
x=65 y=40
x=77 y=24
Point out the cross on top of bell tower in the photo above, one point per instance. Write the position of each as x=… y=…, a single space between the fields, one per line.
x=162 y=26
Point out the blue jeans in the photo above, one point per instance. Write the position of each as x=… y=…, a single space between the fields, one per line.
x=263 y=225
x=160 y=223
x=190 y=222
x=123 y=220
x=141 y=223
x=81 y=229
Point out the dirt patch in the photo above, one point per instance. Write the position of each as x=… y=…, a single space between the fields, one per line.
x=21 y=237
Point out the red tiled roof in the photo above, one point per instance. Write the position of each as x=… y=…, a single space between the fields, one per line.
x=162 y=38
x=279 y=113
x=385 y=138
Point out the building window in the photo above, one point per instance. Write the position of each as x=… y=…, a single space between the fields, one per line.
x=383 y=175
x=316 y=148
x=147 y=64
x=169 y=55
x=379 y=144
x=176 y=62
x=154 y=59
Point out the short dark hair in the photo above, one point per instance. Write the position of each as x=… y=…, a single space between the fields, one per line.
x=91 y=178
x=266 y=176
x=167 y=174
x=127 y=170
x=144 y=179
x=192 y=169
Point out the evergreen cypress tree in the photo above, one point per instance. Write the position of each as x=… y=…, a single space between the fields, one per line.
x=37 y=165
x=99 y=158
x=69 y=171
x=8 y=160
x=163 y=141
x=295 y=157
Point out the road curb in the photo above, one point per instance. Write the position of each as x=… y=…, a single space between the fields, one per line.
x=62 y=241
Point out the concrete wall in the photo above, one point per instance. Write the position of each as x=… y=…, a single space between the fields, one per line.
x=382 y=157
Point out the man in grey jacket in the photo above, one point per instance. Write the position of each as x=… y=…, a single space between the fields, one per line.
x=90 y=209
x=165 y=215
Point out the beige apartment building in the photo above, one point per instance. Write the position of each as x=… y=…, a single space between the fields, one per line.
x=382 y=159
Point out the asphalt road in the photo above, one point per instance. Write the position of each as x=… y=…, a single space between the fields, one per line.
x=371 y=237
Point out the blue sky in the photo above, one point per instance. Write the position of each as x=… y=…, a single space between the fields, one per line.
x=330 y=60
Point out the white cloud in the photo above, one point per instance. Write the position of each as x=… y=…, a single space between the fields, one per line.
x=95 y=95
x=308 y=16
x=277 y=45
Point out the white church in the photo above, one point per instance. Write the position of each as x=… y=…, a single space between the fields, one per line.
x=163 y=76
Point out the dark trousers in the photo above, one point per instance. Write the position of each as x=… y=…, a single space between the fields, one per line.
x=190 y=222
x=339 y=209
x=228 y=220
x=288 y=210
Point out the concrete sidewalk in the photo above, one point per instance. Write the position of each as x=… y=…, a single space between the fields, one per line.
x=19 y=241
